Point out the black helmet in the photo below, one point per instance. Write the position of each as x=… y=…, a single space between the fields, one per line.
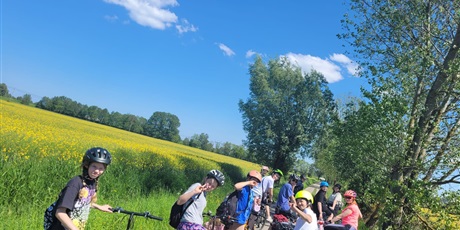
x=294 y=177
x=338 y=186
x=303 y=177
x=216 y=174
x=97 y=154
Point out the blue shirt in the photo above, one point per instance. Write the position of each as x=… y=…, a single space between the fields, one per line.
x=244 y=205
x=283 y=197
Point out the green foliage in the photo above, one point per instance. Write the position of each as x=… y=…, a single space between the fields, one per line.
x=26 y=99
x=4 y=90
x=285 y=112
x=163 y=126
x=399 y=145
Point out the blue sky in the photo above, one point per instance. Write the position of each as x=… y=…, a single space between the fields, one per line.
x=188 y=58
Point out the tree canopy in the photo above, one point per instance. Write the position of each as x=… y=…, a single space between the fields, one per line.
x=285 y=112
x=402 y=142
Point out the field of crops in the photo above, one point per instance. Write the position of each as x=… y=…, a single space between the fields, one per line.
x=41 y=151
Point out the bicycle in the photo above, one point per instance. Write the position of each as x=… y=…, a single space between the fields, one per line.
x=131 y=214
x=261 y=217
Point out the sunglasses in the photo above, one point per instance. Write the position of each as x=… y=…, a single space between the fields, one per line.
x=254 y=179
x=348 y=197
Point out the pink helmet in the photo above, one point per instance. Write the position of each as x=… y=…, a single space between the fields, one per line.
x=350 y=193
x=256 y=174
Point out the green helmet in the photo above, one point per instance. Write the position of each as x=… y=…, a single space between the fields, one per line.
x=279 y=172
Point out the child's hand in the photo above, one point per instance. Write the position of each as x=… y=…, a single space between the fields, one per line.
x=104 y=208
x=253 y=183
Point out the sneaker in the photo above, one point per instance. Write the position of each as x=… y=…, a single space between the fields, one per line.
x=269 y=219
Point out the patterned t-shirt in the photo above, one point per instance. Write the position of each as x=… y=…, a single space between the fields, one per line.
x=77 y=207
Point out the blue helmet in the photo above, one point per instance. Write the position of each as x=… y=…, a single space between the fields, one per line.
x=324 y=184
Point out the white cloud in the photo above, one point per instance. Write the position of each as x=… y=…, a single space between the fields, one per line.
x=186 y=27
x=346 y=62
x=227 y=51
x=307 y=62
x=331 y=68
x=250 y=53
x=153 y=13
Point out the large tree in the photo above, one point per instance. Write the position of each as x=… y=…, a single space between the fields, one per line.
x=164 y=126
x=285 y=112
x=403 y=142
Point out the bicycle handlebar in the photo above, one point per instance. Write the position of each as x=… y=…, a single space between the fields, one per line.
x=144 y=214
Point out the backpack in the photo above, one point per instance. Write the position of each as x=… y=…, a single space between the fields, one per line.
x=177 y=211
x=227 y=209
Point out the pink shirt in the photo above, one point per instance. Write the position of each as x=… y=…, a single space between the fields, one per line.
x=352 y=219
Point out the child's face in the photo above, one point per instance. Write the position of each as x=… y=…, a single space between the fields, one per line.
x=211 y=184
x=301 y=203
x=95 y=169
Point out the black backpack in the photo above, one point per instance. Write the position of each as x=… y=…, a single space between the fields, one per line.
x=177 y=211
x=227 y=209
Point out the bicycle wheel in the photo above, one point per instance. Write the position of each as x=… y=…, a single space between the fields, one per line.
x=262 y=219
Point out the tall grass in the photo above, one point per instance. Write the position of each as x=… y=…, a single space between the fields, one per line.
x=41 y=151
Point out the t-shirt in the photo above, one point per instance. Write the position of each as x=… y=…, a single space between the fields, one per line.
x=267 y=183
x=301 y=224
x=257 y=190
x=78 y=208
x=244 y=205
x=283 y=197
x=352 y=219
x=194 y=213
x=319 y=197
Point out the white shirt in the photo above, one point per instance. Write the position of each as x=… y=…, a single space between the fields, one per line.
x=301 y=224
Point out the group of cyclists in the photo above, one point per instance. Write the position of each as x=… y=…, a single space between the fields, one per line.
x=298 y=206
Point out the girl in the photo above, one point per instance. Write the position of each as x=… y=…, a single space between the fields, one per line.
x=306 y=217
x=196 y=193
x=71 y=210
x=335 y=199
x=351 y=212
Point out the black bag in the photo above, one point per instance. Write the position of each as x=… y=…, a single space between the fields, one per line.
x=227 y=209
x=177 y=211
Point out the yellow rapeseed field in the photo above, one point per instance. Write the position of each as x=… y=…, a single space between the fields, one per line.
x=30 y=131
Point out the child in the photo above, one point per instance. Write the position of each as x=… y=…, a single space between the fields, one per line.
x=71 y=210
x=196 y=193
x=245 y=199
x=286 y=196
x=306 y=217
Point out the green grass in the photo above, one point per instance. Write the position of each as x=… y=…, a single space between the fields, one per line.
x=144 y=176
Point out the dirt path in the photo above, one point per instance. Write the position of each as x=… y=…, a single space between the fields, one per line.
x=312 y=189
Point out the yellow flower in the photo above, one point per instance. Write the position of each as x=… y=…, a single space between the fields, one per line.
x=84 y=193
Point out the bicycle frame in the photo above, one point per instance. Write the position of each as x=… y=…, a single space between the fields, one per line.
x=132 y=214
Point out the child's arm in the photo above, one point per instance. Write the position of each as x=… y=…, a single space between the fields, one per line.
x=104 y=208
x=240 y=185
x=300 y=213
x=187 y=195
x=341 y=215
x=65 y=220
